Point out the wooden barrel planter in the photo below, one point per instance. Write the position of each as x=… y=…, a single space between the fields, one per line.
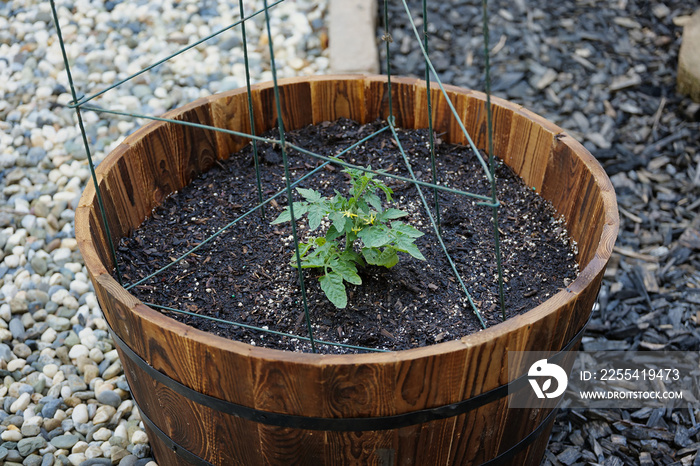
x=208 y=400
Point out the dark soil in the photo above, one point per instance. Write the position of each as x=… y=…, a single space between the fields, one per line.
x=244 y=275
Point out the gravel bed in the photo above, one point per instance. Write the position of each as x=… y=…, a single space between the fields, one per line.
x=605 y=71
x=63 y=397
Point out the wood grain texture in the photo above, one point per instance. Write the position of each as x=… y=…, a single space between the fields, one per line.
x=229 y=110
x=343 y=98
x=403 y=94
x=163 y=157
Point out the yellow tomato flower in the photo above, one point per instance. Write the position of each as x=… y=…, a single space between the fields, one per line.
x=347 y=213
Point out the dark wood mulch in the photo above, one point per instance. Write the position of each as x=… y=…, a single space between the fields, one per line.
x=245 y=276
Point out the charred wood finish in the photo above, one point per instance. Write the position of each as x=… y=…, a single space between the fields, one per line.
x=163 y=157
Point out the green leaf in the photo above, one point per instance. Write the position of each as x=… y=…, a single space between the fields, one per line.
x=311 y=261
x=363 y=182
x=353 y=172
x=374 y=237
x=285 y=216
x=348 y=271
x=310 y=195
x=387 y=191
x=332 y=234
x=386 y=258
x=407 y=245
x=338 y=202
x=332 y=285
x=351 y=256
x=339 y=220
x=390 y=214
x=374 y=201
x=362 y=205
x=407 y=230
x=300 y=208
x=305 y=247
x=350 y=236
x=316 y=213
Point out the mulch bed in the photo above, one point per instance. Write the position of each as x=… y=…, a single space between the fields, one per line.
x=245 y=276
x=613 y=65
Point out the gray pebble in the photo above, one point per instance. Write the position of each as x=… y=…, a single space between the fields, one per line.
x=30 y=445
x=33 y=460
x=91 y=430
x=129 y=460
x=21 y=350
x=34 y=306
x=13 y=455
x=50 y=407
x=55 y=432
x=7 y=402
x=35 y=332
x=141 y=450
x=103 y=366
x=16 y=327
x=19 y=303
x=86 y=395
x=40 y=384
x=65 y=441
x=112 y=371
x=39 y=264
x=6 y=219
x=109 y=397
x=47 y=460
x=83 y=428
x=5 y=352
x=67 y=424
x=104 y=346
x=39 y=295
x=30 y=430
x=59 y=324
x=65 y=312
x=34 y=156
x=3 y=453
x=123 y=384
x=50 y=308
x=71 y=340
x=54 y=288
x=15 y=420
x=76 y=384
x=97 y=462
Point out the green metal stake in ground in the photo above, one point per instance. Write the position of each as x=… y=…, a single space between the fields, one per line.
x=431 y=136
x=287 y=177
x=250 y=109
x=492 y=162
x=100 y=202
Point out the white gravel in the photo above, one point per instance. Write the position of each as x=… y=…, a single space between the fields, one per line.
x=63 y=398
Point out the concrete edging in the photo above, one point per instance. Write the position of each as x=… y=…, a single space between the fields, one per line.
x=351 y=36
x=689 y=59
